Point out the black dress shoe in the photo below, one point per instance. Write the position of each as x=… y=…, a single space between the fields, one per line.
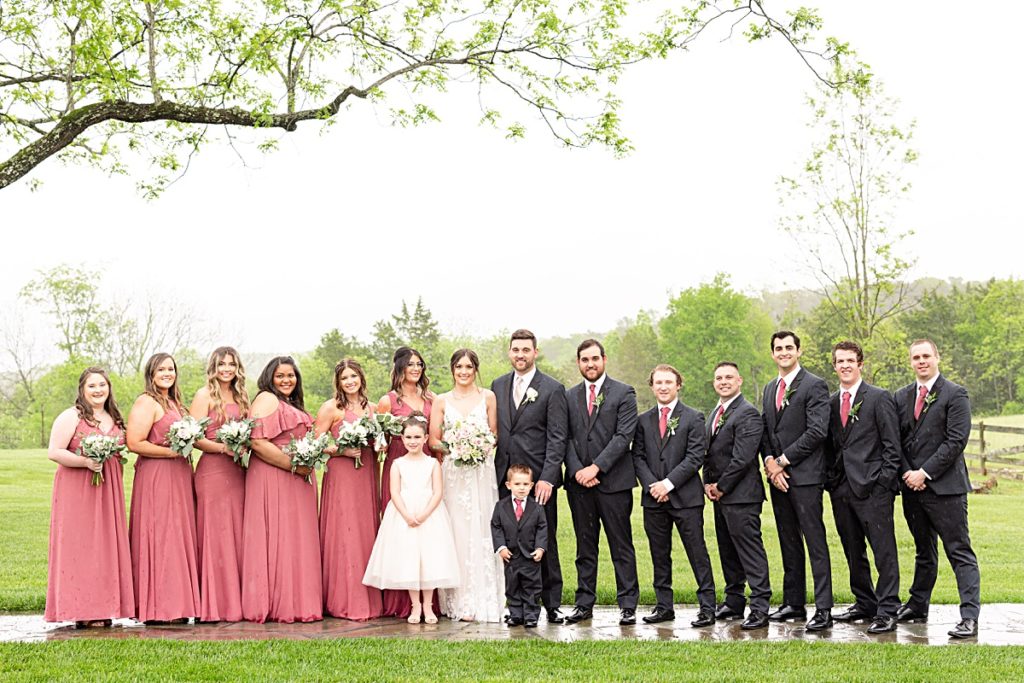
x=507 y=618
x=757 y=619
x=967 y=628
x=705 y=617
x=908 y=615
x=579 y=614
x=853 y=613
x=787 y=612
x=726 y=612
x=821 y=620
x=627 y=617
x=882 y=624
x=659 y=615
x=514 y=621
x=555 y=617
x=530 y=623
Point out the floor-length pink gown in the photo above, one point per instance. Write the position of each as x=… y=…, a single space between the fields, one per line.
x=280 y=540
x=89 y=575
x=220 y=502
x=396 y=603
x=162 y=528
x=349 y=519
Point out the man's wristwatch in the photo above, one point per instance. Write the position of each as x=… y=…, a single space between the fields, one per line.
x=778 y=461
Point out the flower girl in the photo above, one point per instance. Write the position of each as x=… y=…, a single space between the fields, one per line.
x=414 y=549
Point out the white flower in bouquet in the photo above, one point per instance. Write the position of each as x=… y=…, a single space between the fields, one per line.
x=469 y=442
x=184 y=433
x=237 y=435
x=357 y=435
x=309 y=451
x=387 y=425
x=101 y=448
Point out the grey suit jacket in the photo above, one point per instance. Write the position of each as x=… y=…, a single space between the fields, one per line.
x=602 y=438
x=533 y=434
x=937 y=440
x=799 y=429
x=677 y=457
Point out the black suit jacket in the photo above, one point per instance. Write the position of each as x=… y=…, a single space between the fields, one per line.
x=521 y=536
x=937 y=440
x=677 y=457
x=603 y=438
x=866 y=452
x=533 y=434
x=799 y=429
x=732 y=460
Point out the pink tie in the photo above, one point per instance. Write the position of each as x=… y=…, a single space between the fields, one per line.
x=922 y=391
x=519 y=509
x=718 y=416
x=844 y=409
x=663 y=420
x=593 y=399
x=781 y=394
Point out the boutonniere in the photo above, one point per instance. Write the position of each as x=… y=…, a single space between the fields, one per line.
x=531 y=396
x=598 y=402
x=785 y=397
x=721 y=421
x=671 y=425
x=928 y=401
x=852 y=415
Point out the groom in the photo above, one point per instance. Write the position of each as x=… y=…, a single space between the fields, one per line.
x=532 y=429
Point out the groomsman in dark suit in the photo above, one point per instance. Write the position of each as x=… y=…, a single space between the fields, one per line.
x=732 y=481
x=795 y=412
x=533 y=424
x=935 y=424
x=668 y=452
x=863 y=453
x=600 y=479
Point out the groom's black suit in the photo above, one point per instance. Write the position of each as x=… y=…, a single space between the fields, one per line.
x=535 y=434
x=602 y=438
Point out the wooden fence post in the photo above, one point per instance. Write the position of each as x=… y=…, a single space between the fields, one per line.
x=981 y=437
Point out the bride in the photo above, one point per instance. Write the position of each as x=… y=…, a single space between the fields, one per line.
x=470 y=492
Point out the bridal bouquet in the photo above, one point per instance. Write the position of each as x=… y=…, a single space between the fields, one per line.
x=387 y=425
x=184 y=433
x=236 y=435
x=357 y=435
x=101 y=448
x=469 y=442
x=309 y=451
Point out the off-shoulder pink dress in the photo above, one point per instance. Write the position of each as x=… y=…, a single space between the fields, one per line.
x=280 y=544
x=162 y=528
x=349 y=518
x=396 y=602
x=220 y=501
x=89 y=575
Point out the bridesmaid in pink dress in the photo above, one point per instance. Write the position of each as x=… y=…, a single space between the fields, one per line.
x=408 y=395
x=280 y=544
x=162 y=526
x=220 y=489
x=89 y=576
x=349 y=503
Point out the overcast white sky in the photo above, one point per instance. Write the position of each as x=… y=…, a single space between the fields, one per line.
x=497 y=235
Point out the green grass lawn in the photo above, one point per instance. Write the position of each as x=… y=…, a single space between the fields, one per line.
x=379 y=660
x=26 y=478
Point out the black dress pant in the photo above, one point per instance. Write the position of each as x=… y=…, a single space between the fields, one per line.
x=658 y=523
x=523 y=587
x=798 y=518
x=741 y=552
x=869 y=518
x=591 y=509
x=931 y=517
x=551 y=570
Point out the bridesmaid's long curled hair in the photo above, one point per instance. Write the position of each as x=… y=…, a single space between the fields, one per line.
x=238 y=391
x=339 y=393
x=110 y=405
x=173 y=397
x=403 y=356
x=266 y=382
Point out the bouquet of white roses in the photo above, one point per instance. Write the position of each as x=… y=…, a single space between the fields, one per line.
x=101 y=448
x=309 y=451
x=387 y=425
x=184 y=433
x=469 y=442
x=236 y=435
x=356 y=435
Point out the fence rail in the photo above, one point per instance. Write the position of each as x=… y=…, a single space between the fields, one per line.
x=986 y=456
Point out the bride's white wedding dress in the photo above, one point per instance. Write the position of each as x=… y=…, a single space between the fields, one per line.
x=470 y=494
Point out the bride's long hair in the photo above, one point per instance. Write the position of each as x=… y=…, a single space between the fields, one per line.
x=465 y=353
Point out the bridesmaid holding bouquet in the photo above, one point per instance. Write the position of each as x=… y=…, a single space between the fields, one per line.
x=89 y=575
x=220 y=489
x=349 y=505
x=280 y=544
x=162 y=525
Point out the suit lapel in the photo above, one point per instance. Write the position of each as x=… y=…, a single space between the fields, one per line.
x=791 y=389
x=508 y=414
x=592 y=417
x=534 y=383
x=663 y=440
x=927 y=406
x=709 y=425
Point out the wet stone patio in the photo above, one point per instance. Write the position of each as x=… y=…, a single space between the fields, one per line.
x=1001 y=624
